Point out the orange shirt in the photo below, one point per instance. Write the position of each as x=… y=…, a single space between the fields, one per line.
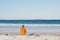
x=22 y=31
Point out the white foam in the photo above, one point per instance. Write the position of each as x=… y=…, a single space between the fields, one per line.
x=33 y=28
x=30 y=24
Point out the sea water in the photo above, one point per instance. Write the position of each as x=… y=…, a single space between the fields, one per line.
x=32 y=26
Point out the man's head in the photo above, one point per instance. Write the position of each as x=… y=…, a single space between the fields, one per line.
x=22 y=26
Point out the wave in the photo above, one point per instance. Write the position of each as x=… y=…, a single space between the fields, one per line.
x=30 y=28
x=2 y=24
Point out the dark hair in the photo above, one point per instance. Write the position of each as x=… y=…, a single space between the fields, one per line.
x=22 y=25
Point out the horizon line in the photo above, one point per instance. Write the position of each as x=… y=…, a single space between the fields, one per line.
x=29 y=19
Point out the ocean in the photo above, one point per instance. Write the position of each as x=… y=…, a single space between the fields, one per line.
x=32 y=26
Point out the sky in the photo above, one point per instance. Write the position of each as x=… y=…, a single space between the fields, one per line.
x=29 y=9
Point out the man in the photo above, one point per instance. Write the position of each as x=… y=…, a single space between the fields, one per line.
x=22 y=30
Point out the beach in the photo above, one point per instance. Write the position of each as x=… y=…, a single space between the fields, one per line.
x=29 y=19
x=36 y=30
x=31 y=37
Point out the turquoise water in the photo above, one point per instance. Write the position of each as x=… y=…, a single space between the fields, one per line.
x=13 y=26
x=31 y=21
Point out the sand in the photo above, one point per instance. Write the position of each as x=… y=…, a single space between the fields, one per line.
x=32 y=37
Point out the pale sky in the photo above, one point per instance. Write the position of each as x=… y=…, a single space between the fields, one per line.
x=29 y=9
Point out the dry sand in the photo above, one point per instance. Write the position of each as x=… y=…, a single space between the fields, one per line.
x=33 y=37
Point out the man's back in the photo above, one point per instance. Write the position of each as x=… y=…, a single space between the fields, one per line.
x=22 y=31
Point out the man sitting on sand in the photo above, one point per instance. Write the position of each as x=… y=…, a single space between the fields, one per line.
x=22 y=30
